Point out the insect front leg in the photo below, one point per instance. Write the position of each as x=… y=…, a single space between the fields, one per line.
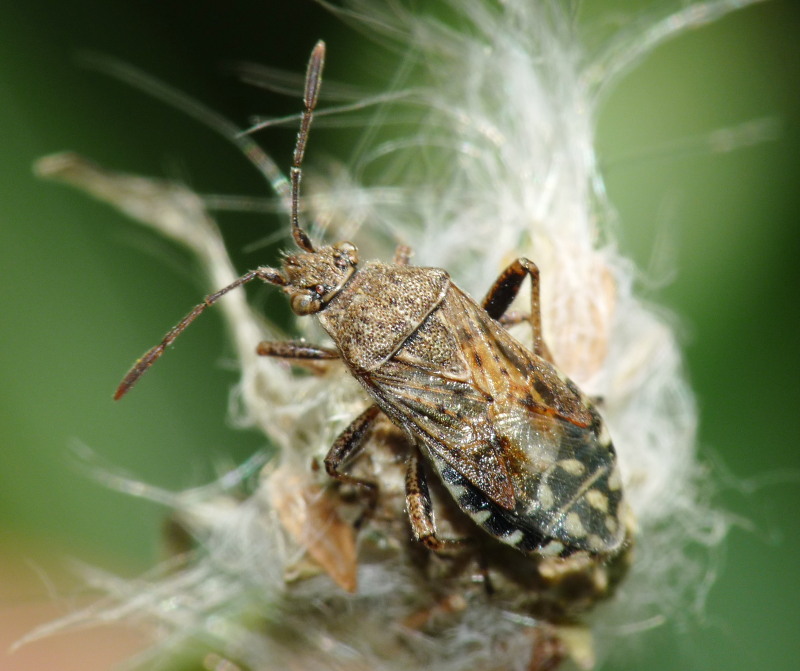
x=505 y=290
x=420 y=508
x=299 y=353
x=402 y=255
x=344 y=448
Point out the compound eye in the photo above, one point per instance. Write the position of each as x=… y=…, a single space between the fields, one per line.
x=305 y=304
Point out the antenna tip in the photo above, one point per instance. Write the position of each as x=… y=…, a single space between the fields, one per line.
x=314 y=75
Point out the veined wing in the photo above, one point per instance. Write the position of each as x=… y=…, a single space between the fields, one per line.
x=518 y=431
x=566 y=480
x=448 y=417
x=563 y=478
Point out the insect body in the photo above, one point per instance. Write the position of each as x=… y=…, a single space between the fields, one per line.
x=521 y=450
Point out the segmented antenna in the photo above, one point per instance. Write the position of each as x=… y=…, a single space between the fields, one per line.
x=310 y=97
x=151 y=356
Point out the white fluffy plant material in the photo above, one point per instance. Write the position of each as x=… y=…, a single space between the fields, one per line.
x=501 y=166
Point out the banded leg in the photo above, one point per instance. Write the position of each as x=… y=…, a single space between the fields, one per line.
x=420 y=508
x=505 y=290
x=312 y=357
x=347 y=446
x=296 y=349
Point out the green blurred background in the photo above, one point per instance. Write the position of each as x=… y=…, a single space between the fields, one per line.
x=84 y=291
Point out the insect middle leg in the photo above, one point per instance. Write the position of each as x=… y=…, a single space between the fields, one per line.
x=349 y=442
x=347 y=446
x=505 y=290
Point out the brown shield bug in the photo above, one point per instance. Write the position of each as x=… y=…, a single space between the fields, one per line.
x=519 y=447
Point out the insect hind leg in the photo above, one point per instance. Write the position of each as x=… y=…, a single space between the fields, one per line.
x=420 y=509
x=505 y=290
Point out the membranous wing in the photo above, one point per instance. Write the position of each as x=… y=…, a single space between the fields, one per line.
x=566 y=481
x=515 y=442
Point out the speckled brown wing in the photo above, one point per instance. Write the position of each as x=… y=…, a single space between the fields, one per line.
x=516 y=443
